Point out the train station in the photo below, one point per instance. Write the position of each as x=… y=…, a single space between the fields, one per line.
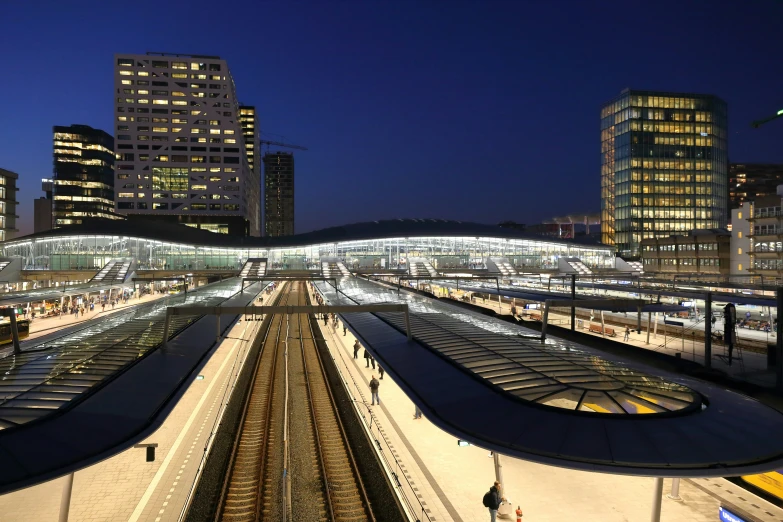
x=161 y=373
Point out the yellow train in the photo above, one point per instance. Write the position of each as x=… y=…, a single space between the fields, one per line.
x=770 y=482
x=23 y=325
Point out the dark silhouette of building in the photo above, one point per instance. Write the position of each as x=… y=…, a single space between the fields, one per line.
x=278 y=194
x=750 y=181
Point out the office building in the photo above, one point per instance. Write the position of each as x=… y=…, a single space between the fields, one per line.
x=703 y=252
x=750 y=181
x=83 y=179
x=42 y=208
x=181 y=153
x=766 y=234
x=8 y=204
x=248 y=118
x=278 y=194
x=664 y=167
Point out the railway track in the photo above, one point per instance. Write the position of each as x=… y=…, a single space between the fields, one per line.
x=291 y=459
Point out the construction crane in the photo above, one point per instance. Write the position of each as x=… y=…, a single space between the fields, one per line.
x=284 y=145
x=759 y=123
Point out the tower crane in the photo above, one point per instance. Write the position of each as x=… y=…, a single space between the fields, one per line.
x=759 y=123
x=279 y=144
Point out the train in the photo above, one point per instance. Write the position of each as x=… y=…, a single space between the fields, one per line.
x=23 y=325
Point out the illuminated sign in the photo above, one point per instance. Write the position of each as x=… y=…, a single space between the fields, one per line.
x=727 y=516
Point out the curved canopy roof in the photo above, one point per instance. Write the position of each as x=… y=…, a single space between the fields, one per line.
x=390 y=228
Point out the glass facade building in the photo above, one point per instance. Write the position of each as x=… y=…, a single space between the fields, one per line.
x=83 y=182
x=444 y=244
x=278 y=194
x=664 y=166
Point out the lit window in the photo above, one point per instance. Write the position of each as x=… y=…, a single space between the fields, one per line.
x=160 y=129
x=143 y=100
x=198 y=187
x=739 y=267
x=228 y=131
x=140 y=195
x=127 y=73
x=198 y=206
x=739 y=215
x=161 y=157
x=160 y=102
x=143 y=91
x=122 y=118
x=179 y=65
x=229 y=140
x=214 y=122
x=739 y=234
x=214 y=77
x=739 y=251
x=214 y=178
x=179 y=75
x=177 y=93
x=143 y=73
x=214 y=131
x=195 y=66
x=179 y=196
x=125 y=194
x=197 y=159
x=179 y=120
x=127 y=82
x=179 y=102
x=160 y=206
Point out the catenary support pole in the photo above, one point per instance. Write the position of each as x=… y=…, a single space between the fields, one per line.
x=166 y=325
x=649 y=320
x=779 y=344
x=65 y=500
x=15 y=332
x=708 y=331
x=657 y=498
x=544 y=321
x=603 y=328
x=408 y=325
x=639 y=320
x=573 y=302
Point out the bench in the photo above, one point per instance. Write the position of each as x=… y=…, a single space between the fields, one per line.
x=596 y=328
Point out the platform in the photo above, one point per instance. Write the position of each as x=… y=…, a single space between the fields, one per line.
x=450 y=481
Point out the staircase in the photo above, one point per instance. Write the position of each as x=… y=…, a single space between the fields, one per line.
x=418 y=267
x=502 y=266
x=115 y=271
x=254 y=267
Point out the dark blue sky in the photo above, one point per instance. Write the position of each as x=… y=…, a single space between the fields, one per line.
x=479 y=111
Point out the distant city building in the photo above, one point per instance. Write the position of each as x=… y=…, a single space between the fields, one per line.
x=248 y=118
x=83 y=178
x=664 y=167
x=704 y=252
x=278 y=194
x=740 y=239
x=181 y=151
x=766 y=234
x=8 y=204
x=750 y=181
x=42 y=208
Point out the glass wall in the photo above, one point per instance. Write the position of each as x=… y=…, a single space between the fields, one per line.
x=92 y=252
x=664 y=168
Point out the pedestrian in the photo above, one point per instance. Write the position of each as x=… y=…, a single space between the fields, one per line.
x=326 y=319
x=372 y=361
x=380 y=370
x=374 y=384
x=627 y=334
x=492 y=500
x=416 y=412
x=513 y=311
x=345 y=329
x=367 y=358
x=103 y=306
x=356 y=346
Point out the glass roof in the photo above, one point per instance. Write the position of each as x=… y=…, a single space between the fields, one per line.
x=544 y=375
x=51 y=375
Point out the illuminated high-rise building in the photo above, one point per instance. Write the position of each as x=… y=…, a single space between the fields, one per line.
x=181 y=151
x=278 y=194
x=664 y=166
x=82 y=184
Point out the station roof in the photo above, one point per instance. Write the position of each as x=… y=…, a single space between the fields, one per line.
x=559 y=403
x=383 y=229
x=55 y=293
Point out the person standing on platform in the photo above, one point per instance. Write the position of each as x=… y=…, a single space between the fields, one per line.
x=326 y=319
x=367 y=357
x=492 y=500
x=627 y=334
x=380 y=370
x=514 y=312
x=345 y=330
x=416 y=412
x=356 y=347
x=372 y=361
x=374 y=384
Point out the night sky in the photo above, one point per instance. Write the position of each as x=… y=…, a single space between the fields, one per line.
x=477 y=111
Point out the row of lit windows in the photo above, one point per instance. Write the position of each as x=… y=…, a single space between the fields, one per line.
x=142 y=205
x=175 y=112
x=164 y=64
x=76 y=142
x=145 y=110
x=636 y=188
x=687 y=247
